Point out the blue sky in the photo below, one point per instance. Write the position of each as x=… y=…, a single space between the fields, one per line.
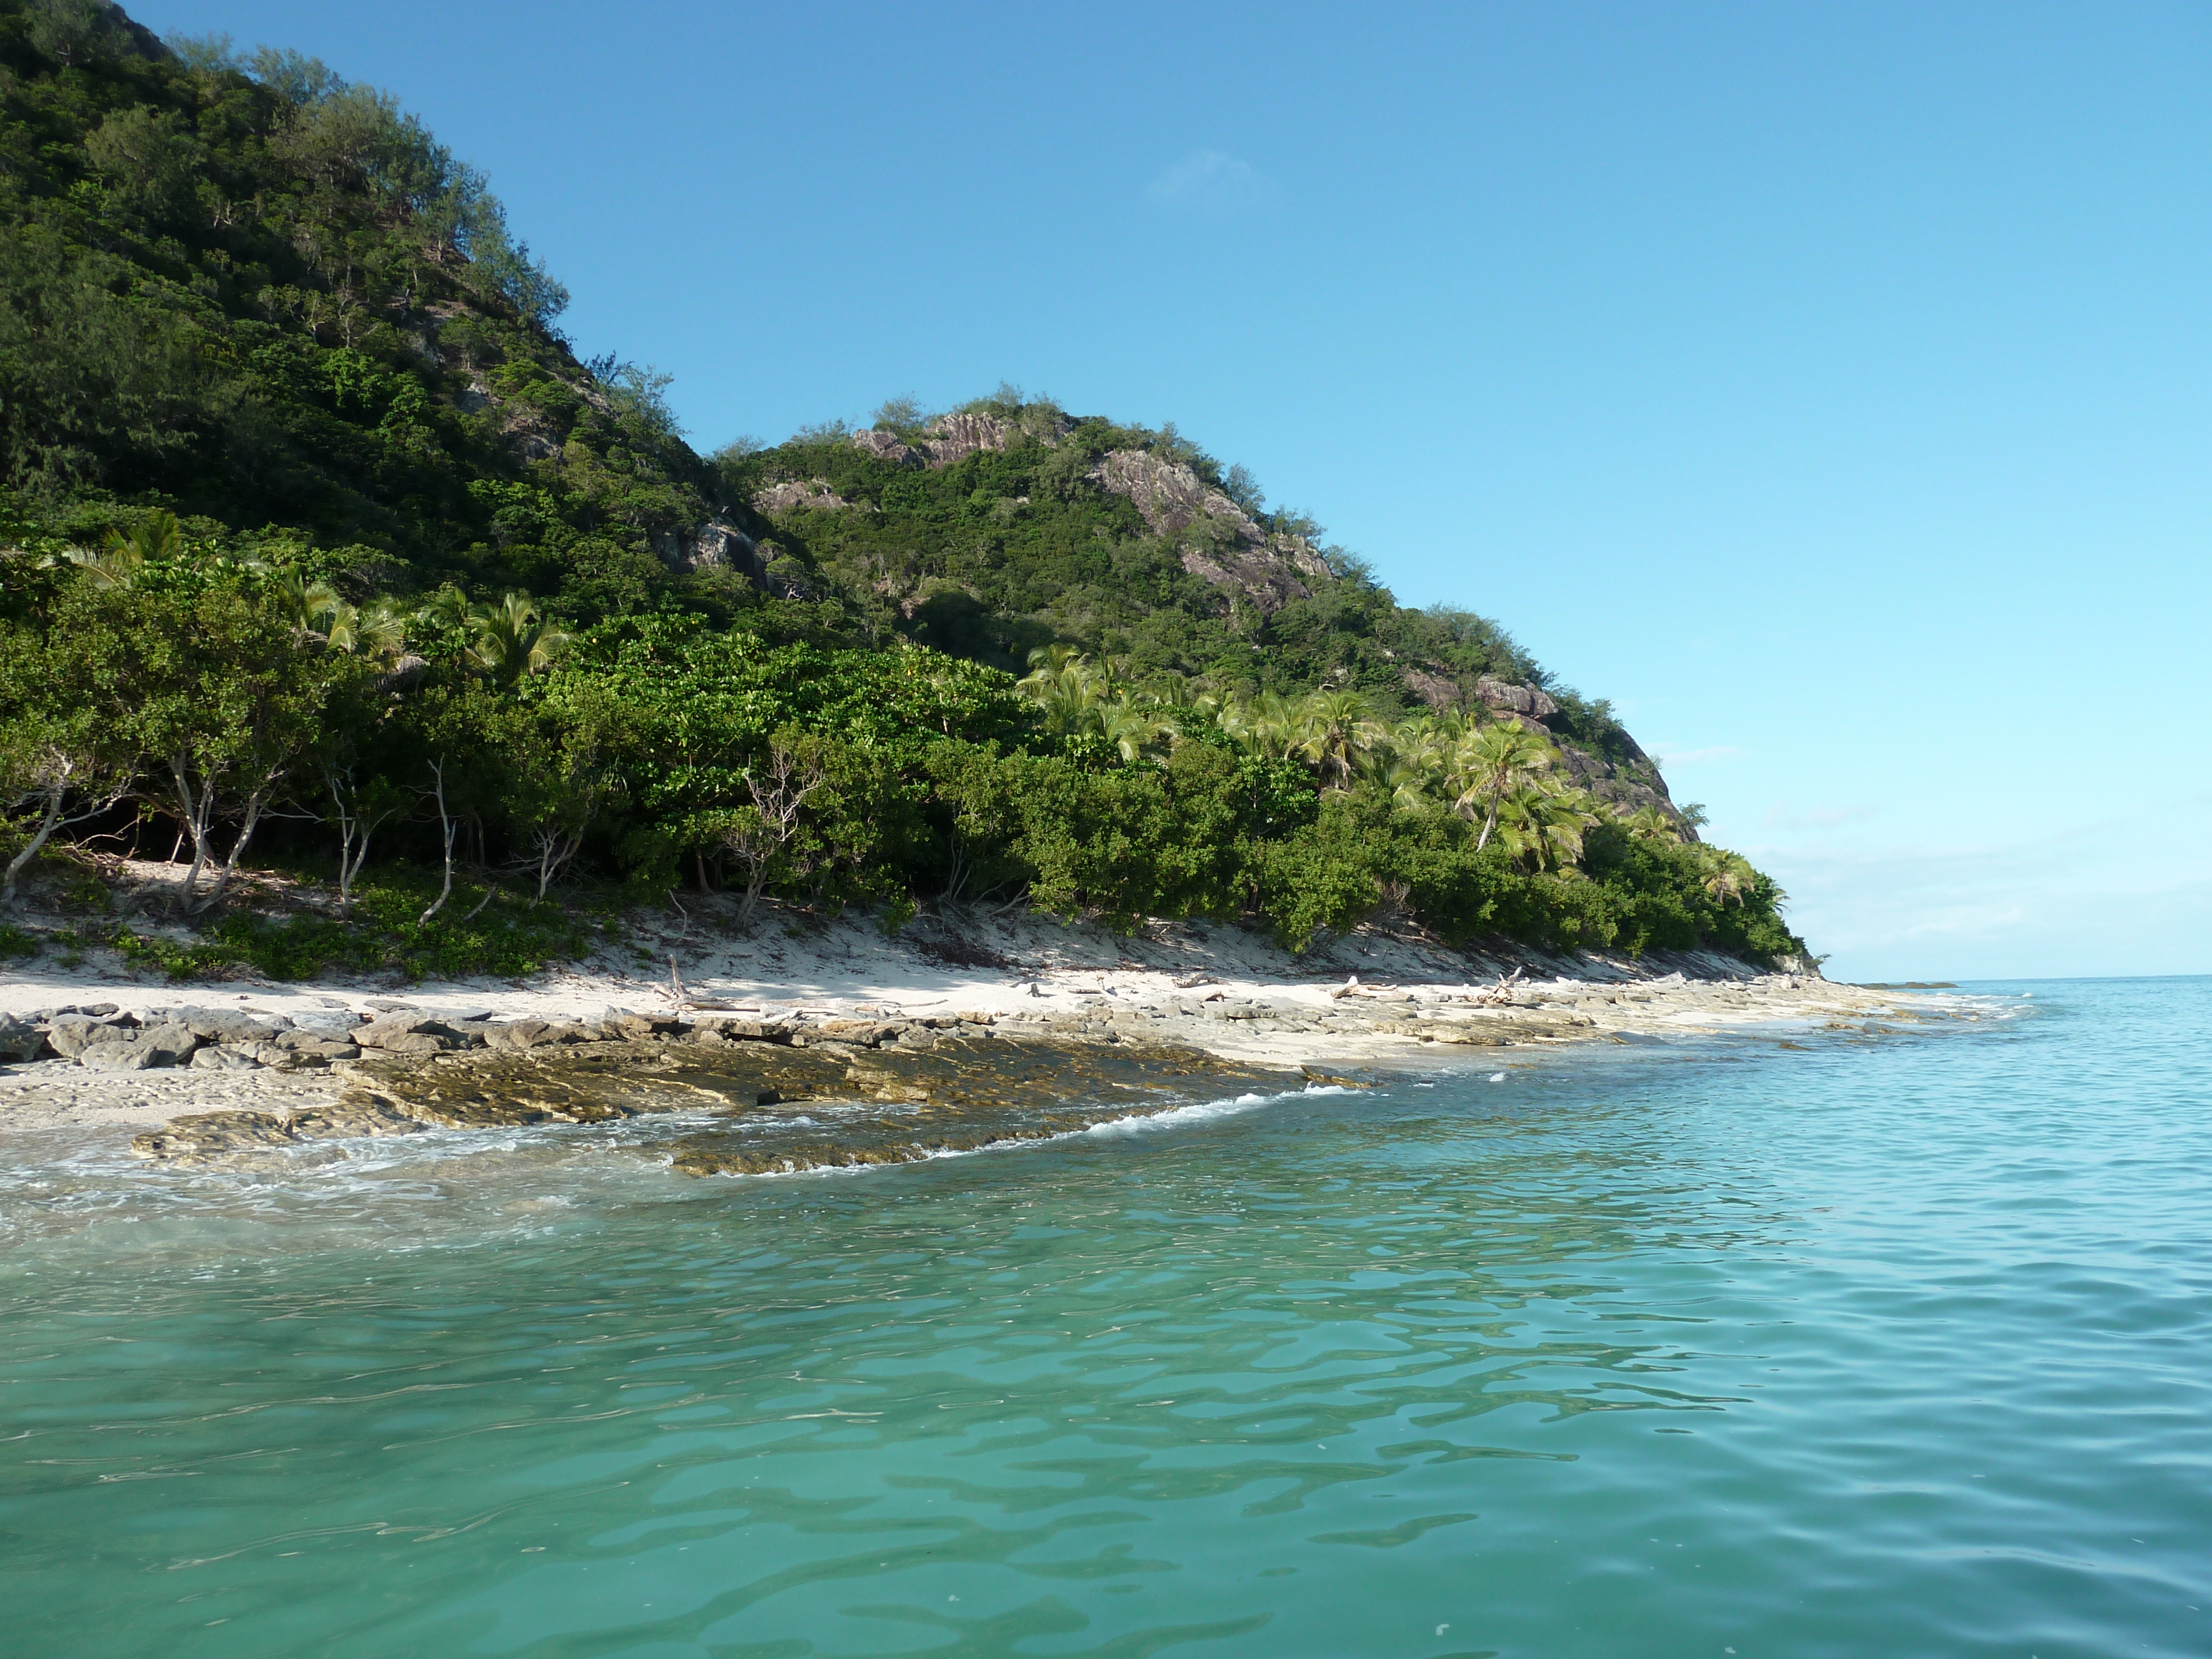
x=1830 y=388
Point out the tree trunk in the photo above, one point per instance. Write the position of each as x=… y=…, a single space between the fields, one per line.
x=256 y=804
x=447 y=827
x=195 y=808
x=52 y=816
x=1490 y=823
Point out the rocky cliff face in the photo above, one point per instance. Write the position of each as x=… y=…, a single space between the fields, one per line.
x=954 y=437
x=1219 y=541
x=714 y=546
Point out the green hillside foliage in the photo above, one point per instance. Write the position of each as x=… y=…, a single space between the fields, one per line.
x=317 y=541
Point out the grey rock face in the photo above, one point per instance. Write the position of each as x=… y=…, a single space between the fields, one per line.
x=792 y=493
x=888 y=447
x=953 y=438
x=123 y=1050
x=325 y=1044
x=1220 y=542
x=950 y=438
x=412 y=1034
x=231 y=1024
x=71 y=1034
x=1507 y=699
x=537 y=1034
x=410 y=1039
x=123 y=1056
x=20 y=1041
x=714 y=546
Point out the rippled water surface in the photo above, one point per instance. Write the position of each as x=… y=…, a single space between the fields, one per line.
x=1901 y=1346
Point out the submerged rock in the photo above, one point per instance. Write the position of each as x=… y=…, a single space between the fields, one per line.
x=775 y=1106
x=352 y=1118
x=203 y=1134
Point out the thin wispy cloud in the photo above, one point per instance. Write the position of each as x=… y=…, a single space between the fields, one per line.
x=1779 y=816
x=1210 y=181
x=2003 y=910
x=1666 y=755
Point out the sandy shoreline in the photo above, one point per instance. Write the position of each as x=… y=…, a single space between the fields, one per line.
x=1373 y=998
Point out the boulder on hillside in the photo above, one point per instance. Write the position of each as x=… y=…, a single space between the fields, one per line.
x=1504 y=698
x=792 y=493
x=888 y=447
x=716 y=544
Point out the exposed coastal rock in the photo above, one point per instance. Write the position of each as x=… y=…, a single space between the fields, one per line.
x=106 y=1039
x=825 y=1089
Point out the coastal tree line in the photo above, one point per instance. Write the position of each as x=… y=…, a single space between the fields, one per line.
x=222 y=701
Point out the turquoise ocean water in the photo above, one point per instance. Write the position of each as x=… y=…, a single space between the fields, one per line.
x=1901 y=1346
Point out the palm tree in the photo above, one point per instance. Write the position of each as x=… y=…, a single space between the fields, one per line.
x=1649 y=824
x=1488 y=764
x=312 y=607
x=512 y=639
x=376 y=630
x=1268 y=726
x=1335 y=730
x=1063 y=684
x=156 y=536
x=1728 y=875
x=1131 y=729
x=1411 y=777
x=1544 y=825
x=447 y=608
x=121 y=558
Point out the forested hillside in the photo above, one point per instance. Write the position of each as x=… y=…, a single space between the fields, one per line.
x=321 y=547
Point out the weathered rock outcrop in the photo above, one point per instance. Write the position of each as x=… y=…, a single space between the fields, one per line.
x=1219 y=541
x=1527 y=701
x=952 y=438
x=792 y=493
x=20 y=1040
x=888 y=447
x=716 y=544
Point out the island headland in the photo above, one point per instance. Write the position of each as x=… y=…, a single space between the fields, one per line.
x=363 y=643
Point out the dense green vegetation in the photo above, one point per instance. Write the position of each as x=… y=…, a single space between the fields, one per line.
x=317 y=542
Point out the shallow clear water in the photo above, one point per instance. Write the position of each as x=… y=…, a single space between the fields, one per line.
x=1902 y=1345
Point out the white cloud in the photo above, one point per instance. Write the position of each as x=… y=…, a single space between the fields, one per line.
x=1210 y=181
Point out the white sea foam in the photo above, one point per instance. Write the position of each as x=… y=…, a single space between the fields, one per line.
x=1175 y=1117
